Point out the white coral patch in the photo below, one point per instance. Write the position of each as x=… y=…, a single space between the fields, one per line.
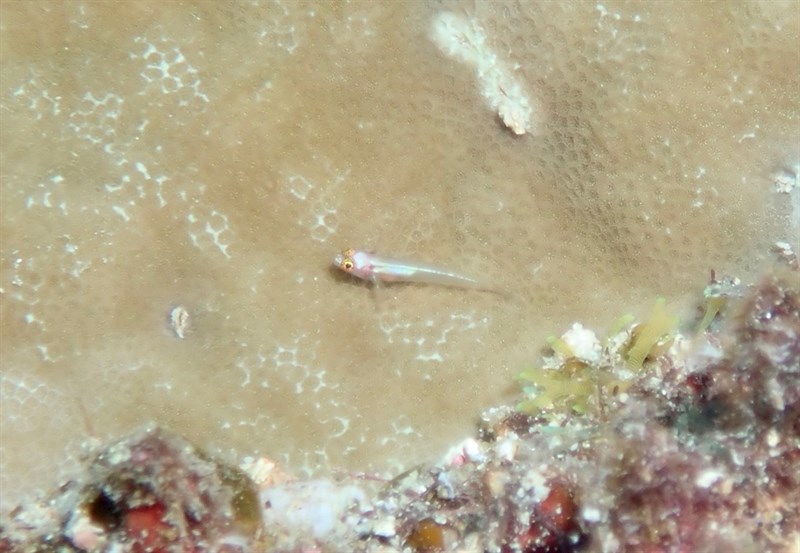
x=463 y=39
x=583 y=343
x=317 y=508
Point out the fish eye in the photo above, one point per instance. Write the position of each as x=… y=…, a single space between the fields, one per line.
x=347 y=264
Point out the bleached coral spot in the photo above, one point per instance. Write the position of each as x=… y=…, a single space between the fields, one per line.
x=166 y=69
x=206 y=227
x=320 y=191
x=464 y=40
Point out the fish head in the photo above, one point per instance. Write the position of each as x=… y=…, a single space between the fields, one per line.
x=354 y=263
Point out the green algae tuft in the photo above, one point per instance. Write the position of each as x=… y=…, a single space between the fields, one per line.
x=647 y=336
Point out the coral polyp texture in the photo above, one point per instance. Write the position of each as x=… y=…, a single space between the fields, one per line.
x=700 y=453
x=175 y=179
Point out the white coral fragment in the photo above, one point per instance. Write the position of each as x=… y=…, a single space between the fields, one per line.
x=583 y=343
x=707 y=478
x=316 y=508
x=463 y=39
x=787 y=179
x=179 y=321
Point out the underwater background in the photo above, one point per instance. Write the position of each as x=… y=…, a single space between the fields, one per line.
x=177 y=177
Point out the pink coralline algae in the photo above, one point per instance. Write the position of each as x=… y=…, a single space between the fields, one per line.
x=701 y=453
x=711 y=461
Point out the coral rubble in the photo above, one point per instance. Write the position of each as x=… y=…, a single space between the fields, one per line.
x=151 y=491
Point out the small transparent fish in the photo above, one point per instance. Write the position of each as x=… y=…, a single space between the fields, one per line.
x=378 y=269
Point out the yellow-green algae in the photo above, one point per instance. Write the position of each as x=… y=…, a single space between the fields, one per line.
x=646 y=336
x=713 y=306
x=572 y=386
x=568 y=387
x=716 y=295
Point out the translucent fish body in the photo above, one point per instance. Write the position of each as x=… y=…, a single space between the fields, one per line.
x=377 y=269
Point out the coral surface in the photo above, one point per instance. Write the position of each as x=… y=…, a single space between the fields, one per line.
x=175 y=178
